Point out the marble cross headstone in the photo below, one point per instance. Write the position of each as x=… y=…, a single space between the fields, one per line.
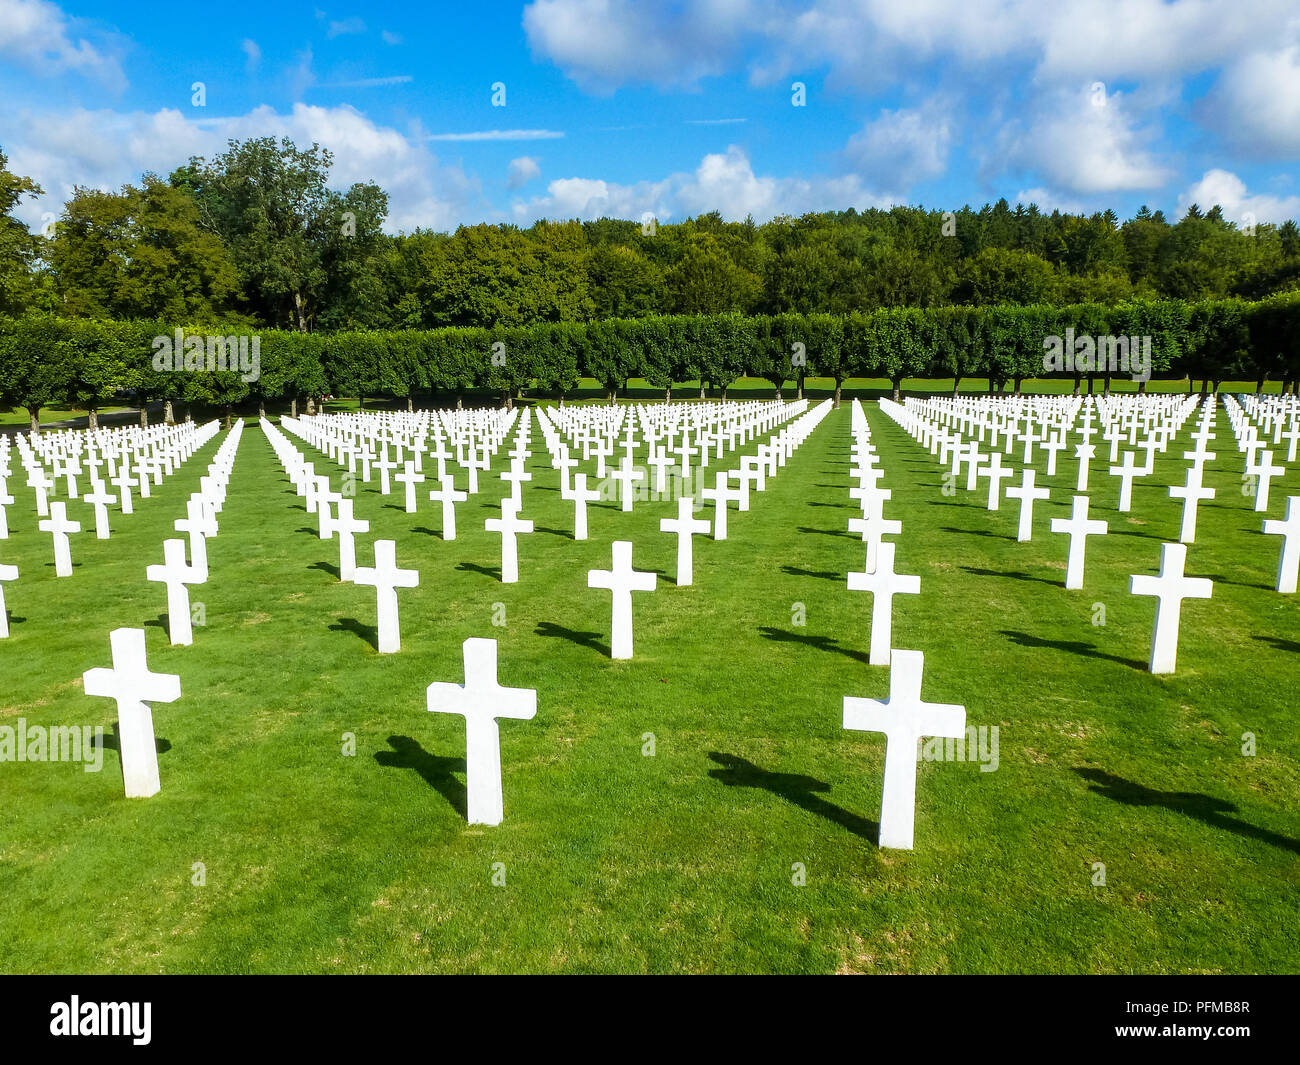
x=904 y=719
x=509 y=525
x=685 y=526
x=581 y=496
x=58 y=525
x=1078 y=527
x=1170 y=588
x=449 y=496
x=481 y=700
x=10 y=573
x=1191 y=494
x=622 y=580
x=131 y=684
x=386 y=578
x=1027 y=493
x=176 y=574
x=1288 y=564
x=884 y=584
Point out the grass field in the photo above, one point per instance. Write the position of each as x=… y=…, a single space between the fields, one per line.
x=680 y=862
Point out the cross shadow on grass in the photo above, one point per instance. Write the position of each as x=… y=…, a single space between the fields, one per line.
x=436 y=770
x=160 y=622
x=1076 y=647
x=828 y=532
x=425 y=530
x=369 y=633
x=111 y=742
x=823 y=574
x=1277 y=642
x=1204 y=808
x=474 y=567
x=822 y=643
x=1015 y=575
x=795 y=788
x=976 y=532
x=328 y=567
x=582 y=639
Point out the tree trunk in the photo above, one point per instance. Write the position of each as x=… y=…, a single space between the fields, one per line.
x=668 y=394
x=839 y=391
x=261 y=408
x=311 y=405
x=92 y=419
x=799 y=393
x=410 y=405
x=1259 y=385
x=897 y=382
x=724 y=393
x=227 y=423
x=1205 y=386
x=169 y=414
x=956 y=384
x=702 y=395
x=1078 y=383
x=293 y=407
x=34 y=413
x=1216 y=387
x=1016 y=385
x=460 y=400
x=1142 y=386
x=299 y=312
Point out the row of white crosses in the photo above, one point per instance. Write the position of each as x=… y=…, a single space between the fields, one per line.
x=903 y=717
x=924 y=422
x=166 y=447
x=129 y=682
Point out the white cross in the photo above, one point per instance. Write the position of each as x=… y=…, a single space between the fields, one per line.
x=1026 y=493
x=347 y=526
x=481 y=700
x=904 y=718
x=720 y=493
x=7 y=573
x=581 y=496
x=1052 y=447
x=1170 y=589
x=996 y=473
x=409 y=478
x=125 y=482
x=1289 y=529
x=133 y=687
x=622 y=580
x=684 y=526
x=1126 y=473
x=565 y=463
x=873 y=525
x=198 y=524
x=449 y=496
x=58 y=525
x=1191 y=494
x=1084 y=453
x=175 y=573
x=1265 y=471
x=627 y=476
x=509 y=525
x=883 y=584
x=660 y=460
x=1078 y=528
x=516 y=476
x=99 y=498
x=386 y=578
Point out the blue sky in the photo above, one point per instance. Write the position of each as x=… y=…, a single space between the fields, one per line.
x=622 y=108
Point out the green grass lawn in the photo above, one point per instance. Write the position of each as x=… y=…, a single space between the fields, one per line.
x=681 y=862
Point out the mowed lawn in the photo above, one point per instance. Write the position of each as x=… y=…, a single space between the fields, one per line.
x=612 y=860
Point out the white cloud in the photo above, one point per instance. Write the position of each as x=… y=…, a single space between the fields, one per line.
x=253 y=54
x=1256 y=102
x=109 y=148
x=370 y=83
x=1048 y=201
x=345 y=27
x=39 y=37
x=1083 y=142
x=522 y=171
x=723 y=182
x=389 y=37
x=1227 y=190
x=902 y=148
x=602 y=44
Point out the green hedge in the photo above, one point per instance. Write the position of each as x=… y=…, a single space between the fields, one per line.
x=48 y=361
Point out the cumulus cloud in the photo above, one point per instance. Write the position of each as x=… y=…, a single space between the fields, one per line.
x=1227 y=190
x=345 y=28
x=522 y=171
x=1085 y=143
x=37 y=36
x=902 y=148
x=109 y=148
x=723 y=182
x=252 y=54
x=1255 y=103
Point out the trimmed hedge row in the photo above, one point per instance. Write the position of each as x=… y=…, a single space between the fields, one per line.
x=86 y=363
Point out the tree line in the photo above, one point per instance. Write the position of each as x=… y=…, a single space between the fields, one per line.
x=257 y=238
x=87 y=363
